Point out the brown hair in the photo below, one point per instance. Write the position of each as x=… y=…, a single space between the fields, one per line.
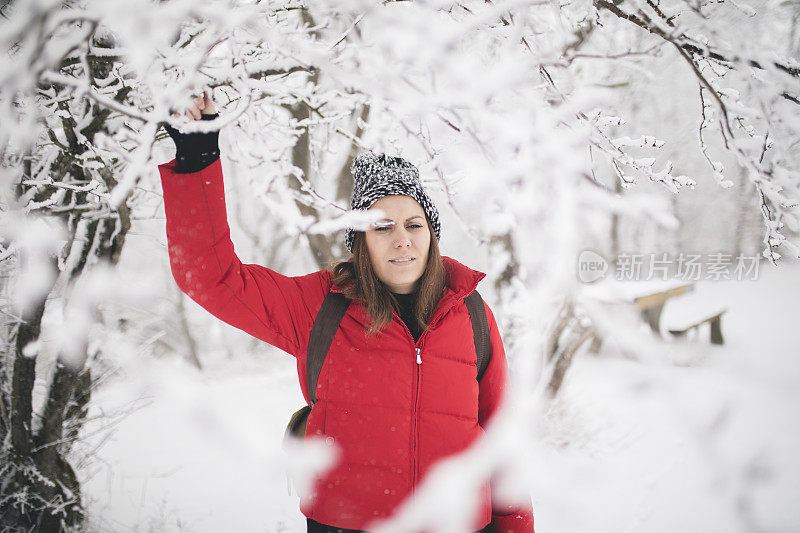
x=360 y=283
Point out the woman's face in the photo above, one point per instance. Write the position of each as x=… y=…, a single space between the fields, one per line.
x=398 y=245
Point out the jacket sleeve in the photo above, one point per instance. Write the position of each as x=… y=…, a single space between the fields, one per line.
x=275 y=308
x=494 y=389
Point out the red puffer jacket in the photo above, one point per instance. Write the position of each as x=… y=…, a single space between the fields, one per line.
x=392 y=406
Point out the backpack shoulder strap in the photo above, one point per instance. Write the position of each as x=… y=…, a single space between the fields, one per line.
x=319 y=342
x=480 y=331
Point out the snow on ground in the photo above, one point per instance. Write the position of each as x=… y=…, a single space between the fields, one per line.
x=200 y=452
x=708 y=445
x=697 y=438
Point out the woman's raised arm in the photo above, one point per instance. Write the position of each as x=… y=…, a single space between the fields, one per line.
x=275 y=308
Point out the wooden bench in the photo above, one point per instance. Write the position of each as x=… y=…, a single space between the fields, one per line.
x=715 y=323
x=647 y=298
x=652 y=304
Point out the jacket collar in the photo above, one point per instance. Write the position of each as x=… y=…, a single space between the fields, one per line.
x=461 y=280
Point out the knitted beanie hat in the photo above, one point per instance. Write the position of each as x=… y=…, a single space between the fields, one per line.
x=376 y=176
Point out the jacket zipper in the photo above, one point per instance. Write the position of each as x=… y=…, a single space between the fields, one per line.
x=415 y=428
x=414 y=425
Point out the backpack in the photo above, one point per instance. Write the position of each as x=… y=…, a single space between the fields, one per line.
x=327 y=322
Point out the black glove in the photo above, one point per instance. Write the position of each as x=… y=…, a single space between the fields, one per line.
x=194 y=151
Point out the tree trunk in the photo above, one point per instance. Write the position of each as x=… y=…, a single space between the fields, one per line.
x=39 y=490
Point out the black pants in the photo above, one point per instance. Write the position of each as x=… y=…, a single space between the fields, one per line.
x=316 y=527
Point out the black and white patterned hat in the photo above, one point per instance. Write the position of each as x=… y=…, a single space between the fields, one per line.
x=379 y=175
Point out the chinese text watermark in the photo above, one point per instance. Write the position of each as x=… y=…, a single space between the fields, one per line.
x=682 y=266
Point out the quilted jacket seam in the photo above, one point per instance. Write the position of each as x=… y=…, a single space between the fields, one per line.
x=460 y=417
x=349 y=402
x=437 y=356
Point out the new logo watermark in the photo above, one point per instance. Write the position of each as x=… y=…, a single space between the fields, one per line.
x=682 y=266
x=591 y=266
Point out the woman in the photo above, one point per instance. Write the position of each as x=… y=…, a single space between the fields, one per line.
x=398 y=388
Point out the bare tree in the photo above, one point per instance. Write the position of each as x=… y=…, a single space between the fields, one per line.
x=60 y=177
